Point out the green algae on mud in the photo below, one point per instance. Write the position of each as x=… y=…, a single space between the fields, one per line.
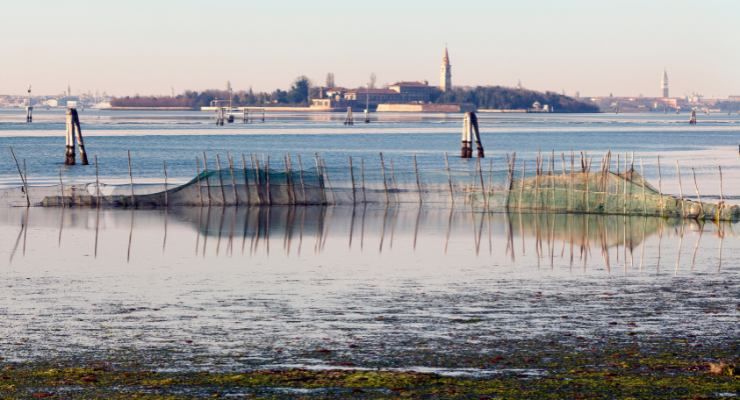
x=627 y=373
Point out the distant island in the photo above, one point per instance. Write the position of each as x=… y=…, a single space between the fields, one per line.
x=303 y=94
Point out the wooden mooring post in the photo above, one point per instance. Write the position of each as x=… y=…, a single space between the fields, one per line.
x=469 y=131
x=74 y=133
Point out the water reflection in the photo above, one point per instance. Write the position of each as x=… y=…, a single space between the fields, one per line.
x=531 y=239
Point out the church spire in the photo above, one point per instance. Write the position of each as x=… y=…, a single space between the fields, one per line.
x=664 y=84
x=445 y=81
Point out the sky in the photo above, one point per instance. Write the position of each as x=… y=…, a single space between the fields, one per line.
x=595 y=47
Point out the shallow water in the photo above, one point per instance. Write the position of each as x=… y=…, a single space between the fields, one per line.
x=179 y=137
x=366 y=287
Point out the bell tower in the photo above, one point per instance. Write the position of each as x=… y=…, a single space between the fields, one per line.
x=445 y=79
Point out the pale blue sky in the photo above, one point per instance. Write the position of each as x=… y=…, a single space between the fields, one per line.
x=147 y=47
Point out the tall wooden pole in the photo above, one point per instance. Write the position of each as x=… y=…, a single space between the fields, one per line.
x=69 y=152
x=78 y=134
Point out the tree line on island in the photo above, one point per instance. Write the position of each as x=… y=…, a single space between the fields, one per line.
x=301 y=91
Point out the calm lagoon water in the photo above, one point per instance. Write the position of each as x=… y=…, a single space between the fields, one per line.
x=428 y=288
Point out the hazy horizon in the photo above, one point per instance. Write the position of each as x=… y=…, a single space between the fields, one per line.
x=596 y=48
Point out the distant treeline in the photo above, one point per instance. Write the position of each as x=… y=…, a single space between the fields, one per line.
x=499 y=97
x=296 y=95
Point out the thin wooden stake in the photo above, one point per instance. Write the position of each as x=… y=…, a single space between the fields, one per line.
x=721 y=193
x=61 y=188
x=300 y=176
x=220 y=179
x=97 y=183
x=418 y=180
x=352 y=177
x=521 y=184
x=131 y=179
x=289 y=180
x=385 y=182
x=321 y=179
x=164 y=168
x=660 y=187
x=267 y=180
x=208 y=178
x=328 y=181
x=233 y=179
x=257 y=178
x=23 y=179
x=246 y=174
x=362 y=177
x=644 y=198
x=197 y=178
x=449 y=178
x=482 y=185
x=698 y=195
x=680 y=189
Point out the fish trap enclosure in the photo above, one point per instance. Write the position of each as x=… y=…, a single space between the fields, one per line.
x=478 y=184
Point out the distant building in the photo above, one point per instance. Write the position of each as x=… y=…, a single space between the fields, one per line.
x=664 y=84
x=412 y=92
x=445 y=81
x=372 y=96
